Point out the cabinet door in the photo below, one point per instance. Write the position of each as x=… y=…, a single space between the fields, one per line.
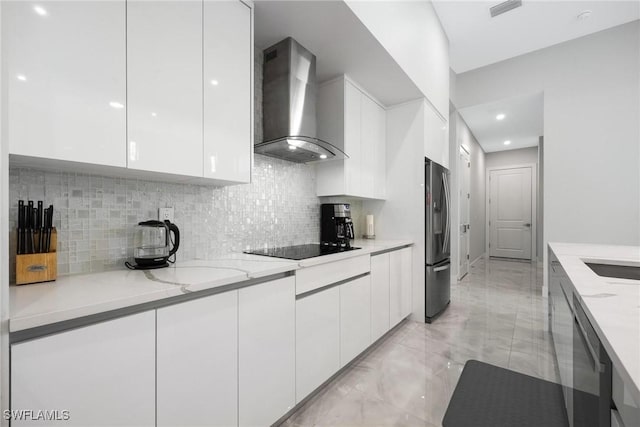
x=436 y=142
x=266 y=352
x=400 y=274
x=380 y=155
x=355 y=318
x=103 y=374
x=379 y=295
x=317 y=340
x=197 y=359
x=228 y=50
x=368 y=146
x=352 y=140
x=65 y=80
x=164 y=86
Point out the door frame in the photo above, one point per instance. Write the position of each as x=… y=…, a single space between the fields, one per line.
x=534 y=207
x=468 y=234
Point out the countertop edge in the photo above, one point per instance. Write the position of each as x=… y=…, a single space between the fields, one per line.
x=615 y=358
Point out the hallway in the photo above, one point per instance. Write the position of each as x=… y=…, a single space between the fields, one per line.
x=496 y=316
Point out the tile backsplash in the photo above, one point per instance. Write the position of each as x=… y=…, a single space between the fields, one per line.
x=96 y=215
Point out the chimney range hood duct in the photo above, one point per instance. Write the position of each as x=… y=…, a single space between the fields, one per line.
x=289 y=106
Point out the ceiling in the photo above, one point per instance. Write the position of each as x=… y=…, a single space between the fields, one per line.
x=522 y=125
x=477 y=40
x=340 y=42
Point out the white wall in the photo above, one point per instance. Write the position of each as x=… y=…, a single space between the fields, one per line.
x=591 y=136
x=460 y=135
x=402 y=214
x=520 y=156
x=413 y=35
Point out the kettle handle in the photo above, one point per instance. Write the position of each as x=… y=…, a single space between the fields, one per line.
x=176 y=234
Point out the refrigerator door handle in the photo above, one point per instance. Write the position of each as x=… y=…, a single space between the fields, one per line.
x=445 y=244
x=443 y=268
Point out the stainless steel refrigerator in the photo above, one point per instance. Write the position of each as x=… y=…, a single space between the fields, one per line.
x=437 y=239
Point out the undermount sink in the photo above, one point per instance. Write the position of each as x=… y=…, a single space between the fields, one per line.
x=617 y=271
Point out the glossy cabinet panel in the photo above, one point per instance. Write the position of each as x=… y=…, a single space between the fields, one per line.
x=317 y=340
x=353 y=166
x=400 y=277
x=103 y=374
x=379 y=295
x=197 y=362
x=353 y=121
x=64 y=76
x=355 y=318
x=436 y=141
x=165 y=86
x=266 y=334
x=228 y=59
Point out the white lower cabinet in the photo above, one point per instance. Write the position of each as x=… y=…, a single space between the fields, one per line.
x=355 y=318
x=317 y=339
x=103 y=374
x=400 y=277
x=379 y=295
x=266 y=333
x=197 y=359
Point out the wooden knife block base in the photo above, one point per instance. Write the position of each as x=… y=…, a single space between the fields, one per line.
x=37 y=268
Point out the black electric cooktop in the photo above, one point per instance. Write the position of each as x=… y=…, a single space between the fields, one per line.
x=300 y=251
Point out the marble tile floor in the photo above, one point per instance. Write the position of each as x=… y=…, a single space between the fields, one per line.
x=496 y=315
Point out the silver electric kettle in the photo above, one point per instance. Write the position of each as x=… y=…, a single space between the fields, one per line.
x=153 y=244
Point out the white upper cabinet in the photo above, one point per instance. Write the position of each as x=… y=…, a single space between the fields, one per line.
x=228 y=118
x=165 y=94
x=356 y=123
x=65 y=79
x=436 y=141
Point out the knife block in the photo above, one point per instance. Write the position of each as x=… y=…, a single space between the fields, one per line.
x=37 y=268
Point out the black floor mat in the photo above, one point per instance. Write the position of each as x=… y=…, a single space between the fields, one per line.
x=490 y=396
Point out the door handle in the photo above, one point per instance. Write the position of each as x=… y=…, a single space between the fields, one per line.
x=443 y=268
x=527 y=224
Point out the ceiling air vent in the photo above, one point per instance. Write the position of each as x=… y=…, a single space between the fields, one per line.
x=504 y=7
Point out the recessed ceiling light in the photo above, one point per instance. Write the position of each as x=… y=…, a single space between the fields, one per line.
x=115 y=104
x=214 y=82
x=292 y=147
x=40 y=10
x=21 y=77
x=323 y=156
x=507 y=142
x=154 y=114
x=584 y=15
x=500 y=116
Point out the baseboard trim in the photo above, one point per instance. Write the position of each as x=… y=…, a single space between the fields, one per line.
x=481 y=256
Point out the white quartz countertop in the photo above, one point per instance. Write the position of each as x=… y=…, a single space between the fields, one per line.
x=612 y=305
x=72 y=297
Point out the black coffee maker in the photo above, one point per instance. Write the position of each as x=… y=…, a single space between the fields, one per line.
x=336 y=227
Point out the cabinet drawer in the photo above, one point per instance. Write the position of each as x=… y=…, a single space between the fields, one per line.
x=310 y=278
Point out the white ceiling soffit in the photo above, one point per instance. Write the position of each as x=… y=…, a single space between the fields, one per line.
x=522 y=124
x=340 y=42
x=477 y=40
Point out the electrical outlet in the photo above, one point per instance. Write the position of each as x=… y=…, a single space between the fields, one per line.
x=165 y=214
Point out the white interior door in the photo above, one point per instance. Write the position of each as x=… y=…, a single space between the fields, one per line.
x=464 y=197
x=510 y=213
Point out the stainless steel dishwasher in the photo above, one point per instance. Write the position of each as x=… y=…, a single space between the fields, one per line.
x=591 y=374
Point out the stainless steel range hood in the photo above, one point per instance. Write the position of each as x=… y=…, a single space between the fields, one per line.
x=289 y=106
